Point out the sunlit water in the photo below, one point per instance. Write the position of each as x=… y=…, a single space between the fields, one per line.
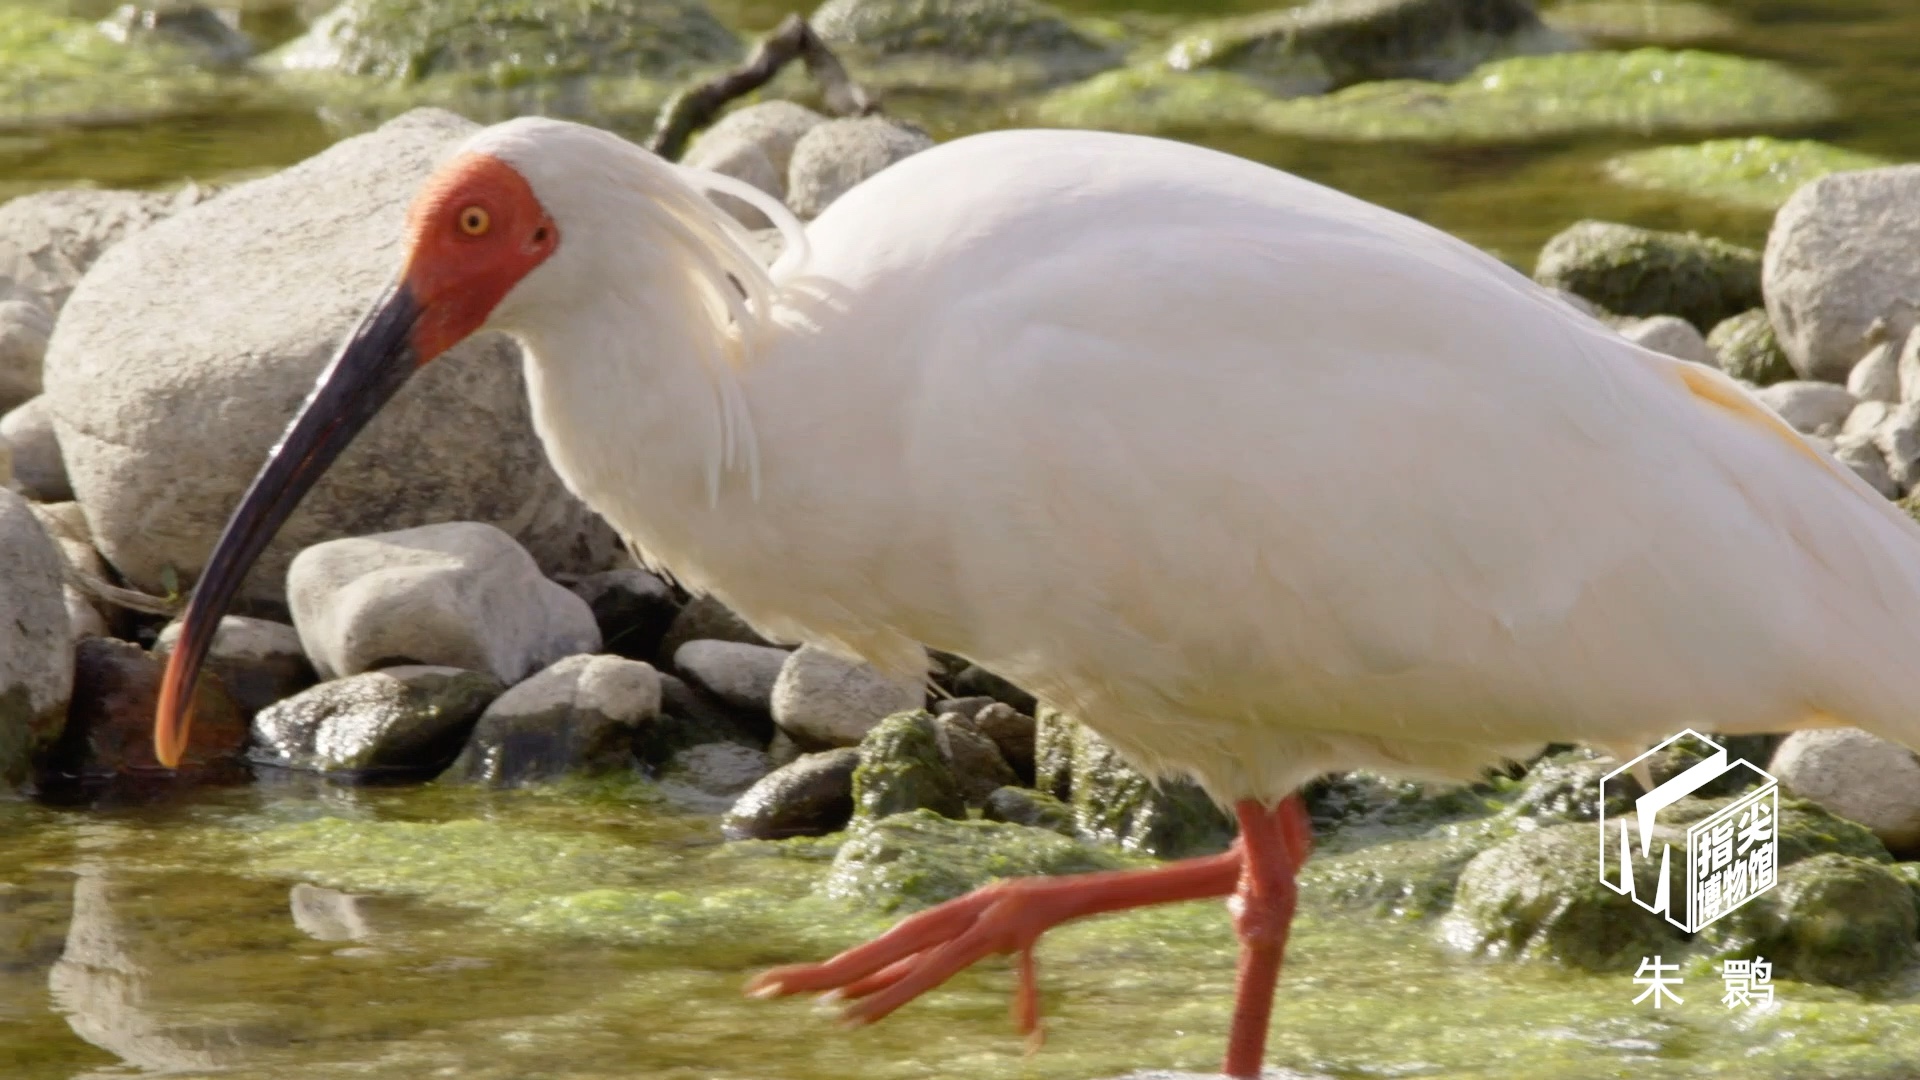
x=538 y=936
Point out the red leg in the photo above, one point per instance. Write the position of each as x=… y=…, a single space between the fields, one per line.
x=927 y=949
x=1276 y=843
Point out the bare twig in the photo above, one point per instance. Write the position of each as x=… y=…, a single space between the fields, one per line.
x=694 y=108
x=131 y=599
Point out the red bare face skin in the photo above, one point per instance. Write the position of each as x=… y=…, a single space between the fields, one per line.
x=474 y=232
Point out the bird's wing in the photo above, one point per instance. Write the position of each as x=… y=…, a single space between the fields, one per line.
x=1355 y=478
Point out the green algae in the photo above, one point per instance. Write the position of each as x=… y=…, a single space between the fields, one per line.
x=901 y=770
x=1748 y=349
x=57 y=71
x=1633 y=271
x=1759 y=172
x=1522 y=99
x=1831 y=919
x=912 y=861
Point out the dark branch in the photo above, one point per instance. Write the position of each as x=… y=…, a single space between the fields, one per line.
x=691 y=109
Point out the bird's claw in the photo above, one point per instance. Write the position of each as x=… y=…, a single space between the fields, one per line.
x=924 y=951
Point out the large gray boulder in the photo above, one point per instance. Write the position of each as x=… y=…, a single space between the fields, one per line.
x=459 y=595
x=36 y=648
x=180 y=359
x=1840 y=272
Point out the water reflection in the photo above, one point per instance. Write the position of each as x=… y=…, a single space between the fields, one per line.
x=103 y=982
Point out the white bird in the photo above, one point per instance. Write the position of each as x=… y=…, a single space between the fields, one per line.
x=1259 y=480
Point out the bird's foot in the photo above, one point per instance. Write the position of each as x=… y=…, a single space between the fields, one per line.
x=927 y=949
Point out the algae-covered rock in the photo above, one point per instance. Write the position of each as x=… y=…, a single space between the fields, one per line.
x=1333 y=43
x=972 y=44
x=1114 y=804
x=902 y=770
x=609 y=61
x=1641 y=22
x=1831 y=919
x=1758 y=172
x=915 y=860
x=1412 y=878
x=1566 y=787
x=1537 y=896
x=1364 y=798
x=1053 y=736
x=1634 y=271
x=1024 y=806
x=1748 y=348
x=1521 y=99
x=56 y=71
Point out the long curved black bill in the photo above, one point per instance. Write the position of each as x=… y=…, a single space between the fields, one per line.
x=368 y=370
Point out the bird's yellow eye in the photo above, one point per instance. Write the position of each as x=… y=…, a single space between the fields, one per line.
x=474 y=221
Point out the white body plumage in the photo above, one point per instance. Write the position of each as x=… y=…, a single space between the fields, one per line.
x=1258 y=479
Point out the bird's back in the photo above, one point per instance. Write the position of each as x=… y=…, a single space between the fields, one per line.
x=1241 y=468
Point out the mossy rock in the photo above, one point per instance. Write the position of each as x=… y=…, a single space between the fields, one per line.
x=60 y=72
x=1517 y=100
x=1364 y=798
x=916 y=860
x=1053 y=735
x=901 y=770
x=1334 y=43
x=1565 y=786
x=1633 y=271
x=1114 y=804
x=1748 y=348
x=1832 y=919
x=1638 y=22
x=1909 y=873
x=609 y=61
x=1411 y=878
x=970 y=44
x=1757 y=173
x=1024 y=806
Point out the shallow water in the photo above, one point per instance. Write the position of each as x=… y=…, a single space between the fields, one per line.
x=605 y=935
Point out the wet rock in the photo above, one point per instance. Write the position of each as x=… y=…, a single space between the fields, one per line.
x=462 y=594
x=809 y=796
x=1634 y=271
x=1523 y=99
x=49 y=239
x=1858 y=776
x=1832 y=919
x=259 y=661
x=1114 y=804
x=1364 y=798
x=1748 y=349
x=915 y=860
x=712 y=777
x=1322 y=46
x=707 y=619
x=1536 y=896
x=823 y=700
x=1022 y=806
x=37 y=468
x=407 y=721
x=976 y=45
x=1815 y=408
x=1672 y=335
x=36 y=647
x=610 y=62
x=190 y=345
x=834 y=156
x=63 y=72
x=1409 y=878
x=974 y=680
x=1840 y=271
x=690 y=716
x=1758 y=172
x=1566 y=787
x=25 y=325
x=1013 y=733
x=976 y=763
x=116 y=688
x=579 y=716
x=632 y=607
x=772 y=127
x=902 y=769
x=191 y=28
x=741 y=676
x=1877 y=376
